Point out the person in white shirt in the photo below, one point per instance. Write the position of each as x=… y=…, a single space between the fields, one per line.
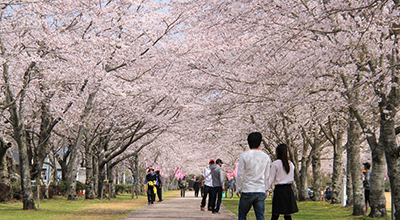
x=252 y=177
x=282 y=175
x=207 y=186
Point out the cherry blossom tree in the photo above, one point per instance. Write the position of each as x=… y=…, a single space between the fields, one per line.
x=180 y=82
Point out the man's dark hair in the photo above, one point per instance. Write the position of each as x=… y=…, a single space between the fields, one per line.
x=254 y=139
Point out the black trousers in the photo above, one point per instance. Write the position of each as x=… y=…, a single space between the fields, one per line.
x=150 y=194
x=207 y=191
x=159 y=193
x=216 y=198
x=196 y=192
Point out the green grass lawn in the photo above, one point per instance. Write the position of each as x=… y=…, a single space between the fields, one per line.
x=309 y=210
x=61 y=209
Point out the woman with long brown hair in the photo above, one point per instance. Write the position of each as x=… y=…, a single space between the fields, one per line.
x=282 y=175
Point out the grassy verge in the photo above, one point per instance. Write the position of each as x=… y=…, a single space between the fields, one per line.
x=307 y=210
x=62 y=209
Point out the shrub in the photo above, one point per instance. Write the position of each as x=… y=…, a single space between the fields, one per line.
x=16 y=187
x=80 y=186
x=123 y=188
x=55 y=189
x=64 y=186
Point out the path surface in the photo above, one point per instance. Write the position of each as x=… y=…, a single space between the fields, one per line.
x=179 y=208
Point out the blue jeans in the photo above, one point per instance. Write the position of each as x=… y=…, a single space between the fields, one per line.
x=252 y=199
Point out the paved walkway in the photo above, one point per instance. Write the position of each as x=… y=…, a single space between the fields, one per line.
x=179 y=208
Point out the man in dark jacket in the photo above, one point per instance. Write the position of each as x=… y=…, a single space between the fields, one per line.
x=218 y=185
x=196 y=187
x=159 y=186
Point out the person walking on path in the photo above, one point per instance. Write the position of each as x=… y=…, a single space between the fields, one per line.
x=182 y=208
x=231 y=187
x=252 y=178
x=159 y=186
x=207 y=186
x=196 y=187
x=183 y=186
x=150 y=182
x=202 y=188
x=366 y=184
x=218 y=186
x=282 y=175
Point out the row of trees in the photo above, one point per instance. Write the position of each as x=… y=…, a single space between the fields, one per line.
x=309 y=73
x=186 y=81
x=81 y=86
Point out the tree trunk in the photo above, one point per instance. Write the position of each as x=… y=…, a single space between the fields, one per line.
x=136 y=176
x=96 y=176
x=28 y=201
x=12 y=168
x=377 y=189
x=294 y=159
x=74 y=162
x=303 y=188
x=100 y=182
x=338 y=150
x=55 y=171
x=337 y=177
x=73 y=166
x=387 y=141
x=388 y=110
x=393 y=160
x=90 y=190
x=17 y=121
x=317 y=174
x=305 y=163
x=377 y=182
x=349 y=183
x=64 y=167
x=353 y=153
x=111 y=177
x=4 y=174
x=46 y=126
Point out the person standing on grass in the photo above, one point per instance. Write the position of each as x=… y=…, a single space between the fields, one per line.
x=252 y=178
x=231 y=187
x=218 y=186
x=282 y=175
x=366 y=184
x=207 y=186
